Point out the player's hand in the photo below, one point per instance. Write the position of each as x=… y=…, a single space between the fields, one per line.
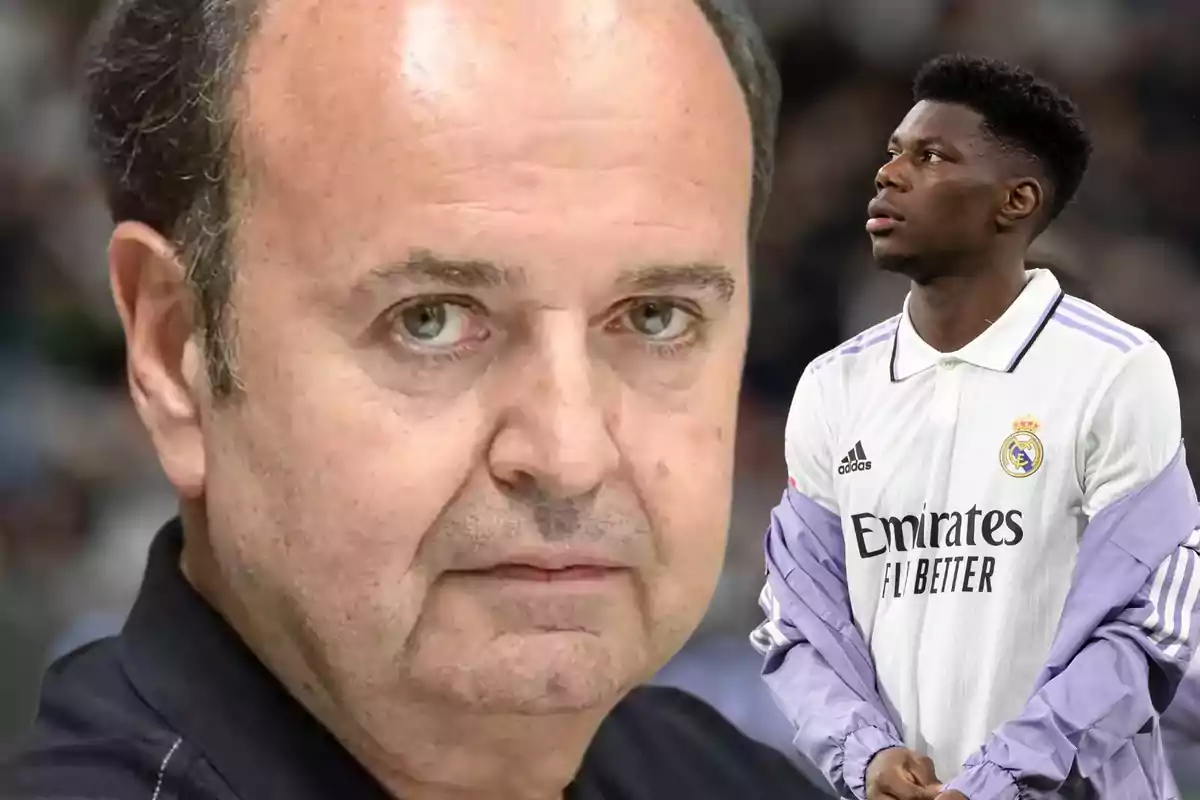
x=901 y=774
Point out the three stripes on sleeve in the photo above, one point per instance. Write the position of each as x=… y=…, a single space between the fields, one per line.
x=1173 y=594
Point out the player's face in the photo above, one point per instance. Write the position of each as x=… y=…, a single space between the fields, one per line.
x=491 y=315
x=939 y=192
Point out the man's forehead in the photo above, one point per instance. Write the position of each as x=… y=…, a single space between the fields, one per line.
x=572 y=125
x=329 y=65
x=932 y=119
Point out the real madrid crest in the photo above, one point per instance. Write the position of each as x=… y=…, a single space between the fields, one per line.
x=1021 y=454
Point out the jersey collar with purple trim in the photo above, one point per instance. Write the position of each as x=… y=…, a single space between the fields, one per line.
x=1000 y=348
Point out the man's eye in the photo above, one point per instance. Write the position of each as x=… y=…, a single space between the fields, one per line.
x=440 y=324
x=658 y=320
x=934 y=157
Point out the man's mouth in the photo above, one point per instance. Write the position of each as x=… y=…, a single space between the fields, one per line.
x=540 y=565
x=882 y=217
x=528 y=572
x=881 y=225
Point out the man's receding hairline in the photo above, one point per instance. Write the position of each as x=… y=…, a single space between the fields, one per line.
x=250 y=13
x=166 y=85
x=716 y=13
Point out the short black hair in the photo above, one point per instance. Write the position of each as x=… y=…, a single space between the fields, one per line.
x=1019 y=110
x=162 y=79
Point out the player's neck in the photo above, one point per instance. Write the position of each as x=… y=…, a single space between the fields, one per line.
x=949 y=312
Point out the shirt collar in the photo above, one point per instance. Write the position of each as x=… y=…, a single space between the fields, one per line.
x=999 y=348
x=193 y=669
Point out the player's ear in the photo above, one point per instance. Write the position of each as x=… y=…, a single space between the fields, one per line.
x=1023 y=198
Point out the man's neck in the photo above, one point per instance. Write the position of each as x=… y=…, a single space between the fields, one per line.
x=453 y=757
x=949 y=312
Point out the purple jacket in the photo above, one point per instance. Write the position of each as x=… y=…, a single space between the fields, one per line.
x=1091 y=726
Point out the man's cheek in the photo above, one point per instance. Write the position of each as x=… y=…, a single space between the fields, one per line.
x=691 y=512
x=681 y=464
x=370 y=456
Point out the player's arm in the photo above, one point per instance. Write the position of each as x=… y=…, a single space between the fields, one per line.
x=817 y=664
x=1142 y=518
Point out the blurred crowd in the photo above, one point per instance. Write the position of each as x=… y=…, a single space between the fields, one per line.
x=80 y=493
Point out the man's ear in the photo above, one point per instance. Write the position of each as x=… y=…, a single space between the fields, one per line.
x=1023 y=199
x=163 y=351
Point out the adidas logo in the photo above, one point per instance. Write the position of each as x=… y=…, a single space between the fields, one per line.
x=855 y=461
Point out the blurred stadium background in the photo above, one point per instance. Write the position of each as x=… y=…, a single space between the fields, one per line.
x=80 y=492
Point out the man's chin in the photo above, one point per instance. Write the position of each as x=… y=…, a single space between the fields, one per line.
x=890 y=257
x=539 y=672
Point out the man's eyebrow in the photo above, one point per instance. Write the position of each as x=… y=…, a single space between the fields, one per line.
x=425 y=267
x=935 y=141
x=673 y=277
x=922 y=141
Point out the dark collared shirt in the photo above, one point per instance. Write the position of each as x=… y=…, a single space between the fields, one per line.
x=177 y=708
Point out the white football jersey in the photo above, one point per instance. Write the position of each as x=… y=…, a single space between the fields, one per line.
x=964 y=482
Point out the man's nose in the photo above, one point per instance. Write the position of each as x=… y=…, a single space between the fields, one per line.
x=891 y=176
x=554 y=434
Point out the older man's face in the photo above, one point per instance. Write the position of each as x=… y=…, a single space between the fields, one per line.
x=491 y=311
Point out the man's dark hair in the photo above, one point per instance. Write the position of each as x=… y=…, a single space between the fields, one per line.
x=162 y=80
x=1020 y=111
